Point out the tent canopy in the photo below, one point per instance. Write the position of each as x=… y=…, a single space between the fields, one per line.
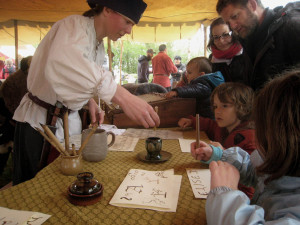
x=163 y=20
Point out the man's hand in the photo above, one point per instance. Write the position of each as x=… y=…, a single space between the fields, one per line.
x=96 y=114
x=223 y=174
x=135 y=108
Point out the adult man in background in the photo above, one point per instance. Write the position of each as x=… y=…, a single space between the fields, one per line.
x=181 y=70
x=162 y=68
x=269 y=37
x=143 y=67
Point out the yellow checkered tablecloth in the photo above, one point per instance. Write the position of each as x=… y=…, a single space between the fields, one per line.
x=47 y=192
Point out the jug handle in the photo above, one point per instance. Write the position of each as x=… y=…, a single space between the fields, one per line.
x=113 y=138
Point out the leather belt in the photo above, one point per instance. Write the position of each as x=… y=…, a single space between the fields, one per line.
x=49 y=107
x=40 y=102
x=161 y=75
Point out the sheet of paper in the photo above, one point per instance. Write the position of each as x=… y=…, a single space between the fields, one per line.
x=200 y=181
x=74 y=139
x=14 y=217
x=123 y=143
x=156 y=190
x=112 y=128
x=185 y=144
x=145 y=133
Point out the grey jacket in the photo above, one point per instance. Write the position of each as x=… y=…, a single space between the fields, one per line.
x=275 y=203
x=143 y=69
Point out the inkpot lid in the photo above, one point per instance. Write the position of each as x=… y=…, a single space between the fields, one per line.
x=85 y=184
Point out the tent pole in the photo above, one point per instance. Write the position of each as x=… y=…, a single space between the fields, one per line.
x=121 y=62
x=205 y=41
x=109 y=54
x=16 y=44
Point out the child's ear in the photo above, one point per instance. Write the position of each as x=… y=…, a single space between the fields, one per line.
x=201 y=73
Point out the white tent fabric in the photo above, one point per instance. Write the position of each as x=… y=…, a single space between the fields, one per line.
x=163 y=20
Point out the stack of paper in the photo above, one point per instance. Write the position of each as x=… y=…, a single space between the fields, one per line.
x=156 y=190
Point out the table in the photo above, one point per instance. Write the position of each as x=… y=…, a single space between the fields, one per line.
x=47 y=192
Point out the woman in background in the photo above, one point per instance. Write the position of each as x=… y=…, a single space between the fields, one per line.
x=227 y=52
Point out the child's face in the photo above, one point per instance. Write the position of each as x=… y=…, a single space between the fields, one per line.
x=225 y=114
x=192 y=72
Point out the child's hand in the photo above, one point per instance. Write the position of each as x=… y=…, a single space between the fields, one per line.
x=171 y=94
x=184 y=122
x=223 y=174
x=216 y=144
x=203 y=153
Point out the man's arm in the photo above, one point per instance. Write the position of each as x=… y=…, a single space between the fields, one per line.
x=135 y=108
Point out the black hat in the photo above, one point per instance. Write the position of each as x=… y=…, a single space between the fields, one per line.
x=177 y=57
x=133 y=9
x=150 y=51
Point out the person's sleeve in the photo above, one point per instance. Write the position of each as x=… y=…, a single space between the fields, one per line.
x=207 y=125
x=197 y=90
x=171 y=68
x=227 y=206
x=74 y=77
x=216 y=155
x=241 y=160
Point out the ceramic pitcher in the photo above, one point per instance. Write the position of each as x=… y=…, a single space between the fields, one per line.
x=97 y=147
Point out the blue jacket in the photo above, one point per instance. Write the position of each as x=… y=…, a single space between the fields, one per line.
x=278 y=202
x=201 y=89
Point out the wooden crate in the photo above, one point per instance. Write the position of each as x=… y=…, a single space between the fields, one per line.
x=169 y=111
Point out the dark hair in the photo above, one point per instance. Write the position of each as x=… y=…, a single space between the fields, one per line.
x=203 y=64
x=162 y=47
x=177 y=57
x=25 y=64
x=240 y=95
x=224 y=3
x=216 y=22
x=94 y=11
x=277 y=121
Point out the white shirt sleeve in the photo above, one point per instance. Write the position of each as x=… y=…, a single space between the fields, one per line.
x=72 y=68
